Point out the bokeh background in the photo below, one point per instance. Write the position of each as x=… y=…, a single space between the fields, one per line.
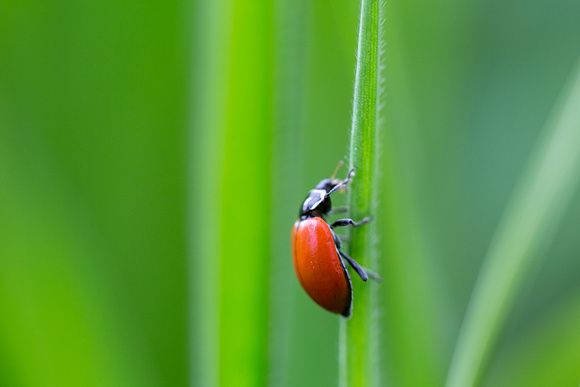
x=153 y=157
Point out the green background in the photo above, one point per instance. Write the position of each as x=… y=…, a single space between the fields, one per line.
x=153 y=157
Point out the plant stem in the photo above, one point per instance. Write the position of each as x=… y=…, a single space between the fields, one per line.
x=358 y=350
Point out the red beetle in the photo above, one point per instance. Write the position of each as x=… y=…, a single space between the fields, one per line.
x=318 y=260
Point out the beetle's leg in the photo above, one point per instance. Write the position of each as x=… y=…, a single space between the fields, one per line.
x=350 y=222
x=337 y=210
x=363 y=272
x=359 y=270
x=349 y=176
x=372 y=275
x=342 y=183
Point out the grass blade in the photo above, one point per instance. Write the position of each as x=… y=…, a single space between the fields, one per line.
x=525 y=231
x=359 y=335
x=207 y=128
x=230 y=178
x=245 y=231
x=289 y=58
x=547 y=354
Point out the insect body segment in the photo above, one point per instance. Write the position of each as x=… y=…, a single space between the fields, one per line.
x=319 y=267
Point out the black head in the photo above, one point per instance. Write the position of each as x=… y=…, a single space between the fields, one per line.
x=318 y=202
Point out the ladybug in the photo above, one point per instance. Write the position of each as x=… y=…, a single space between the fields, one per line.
x=318 y=259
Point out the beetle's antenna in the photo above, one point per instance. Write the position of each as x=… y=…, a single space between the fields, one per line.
x=336 y=170
x=342 y=183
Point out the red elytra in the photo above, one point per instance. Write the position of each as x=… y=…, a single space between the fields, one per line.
x=318 y=266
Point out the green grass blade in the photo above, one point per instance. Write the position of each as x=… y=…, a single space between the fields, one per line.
x=245 y=229
x=359 y=335
x=230 y=187
x=289 y=63
x=524 y=233
x=205 y=166
x=545 y=355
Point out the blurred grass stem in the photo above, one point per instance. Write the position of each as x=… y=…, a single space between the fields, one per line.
x=525 y=232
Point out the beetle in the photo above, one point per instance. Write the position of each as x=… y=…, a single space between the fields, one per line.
x=316 y=249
